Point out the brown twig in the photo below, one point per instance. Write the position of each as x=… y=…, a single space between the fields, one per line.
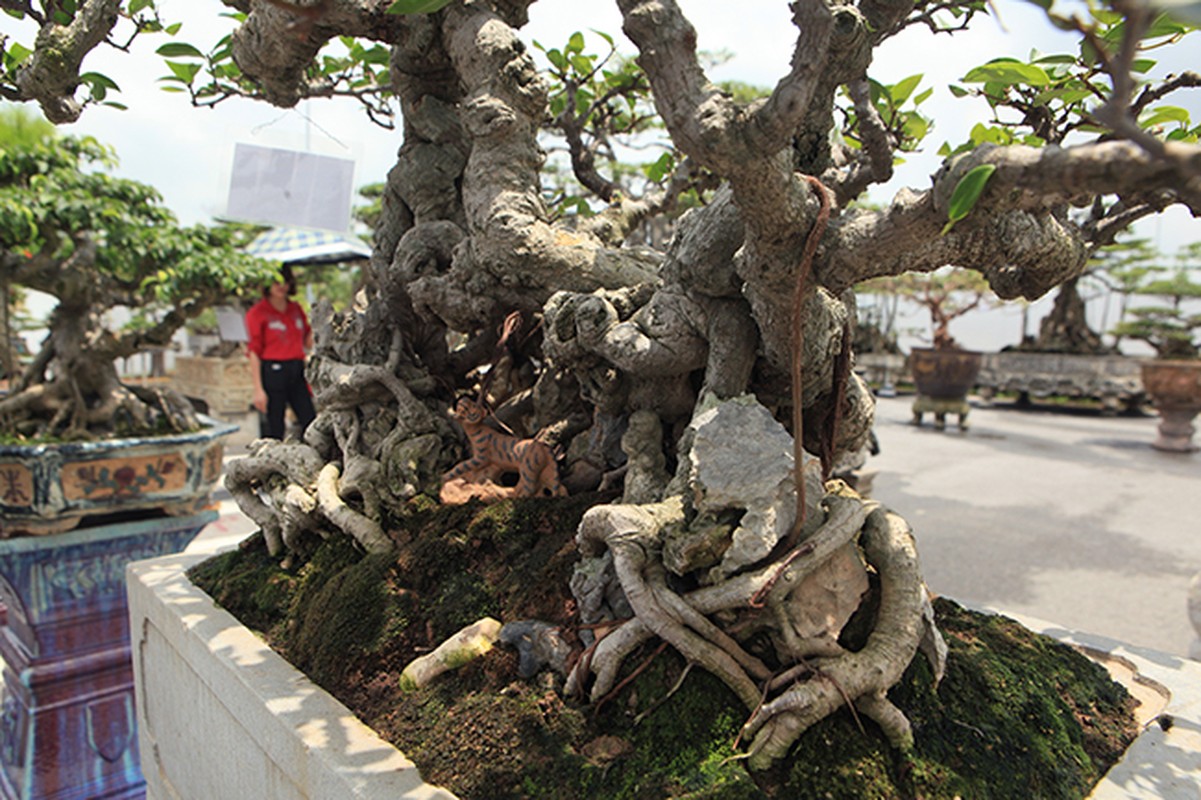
x=627 y=680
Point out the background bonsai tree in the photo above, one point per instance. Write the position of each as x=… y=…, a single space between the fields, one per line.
x=1172 y=327
x=946 y=296
x=96 y=242
x=622 y=343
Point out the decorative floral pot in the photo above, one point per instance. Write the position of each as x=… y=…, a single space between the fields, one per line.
x=49 y=488
x=943 y=378
x=1175 y=389
x=68 y=721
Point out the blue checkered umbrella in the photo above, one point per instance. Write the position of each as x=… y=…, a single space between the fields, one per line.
x=301 y=246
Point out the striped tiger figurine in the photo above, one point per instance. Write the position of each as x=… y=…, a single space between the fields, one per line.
x=494 y=453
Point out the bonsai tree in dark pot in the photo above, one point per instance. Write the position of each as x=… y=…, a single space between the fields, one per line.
x=1171 y=327
x=943 y=373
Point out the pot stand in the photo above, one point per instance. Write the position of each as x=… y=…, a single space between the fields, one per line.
x=940 y=407
x=1175 y=430
x=67 y=727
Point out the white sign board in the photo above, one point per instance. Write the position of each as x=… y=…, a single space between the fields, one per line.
x=289 y=187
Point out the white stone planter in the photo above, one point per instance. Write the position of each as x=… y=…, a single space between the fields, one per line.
x=222 y=715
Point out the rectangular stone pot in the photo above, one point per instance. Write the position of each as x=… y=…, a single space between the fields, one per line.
x=222 y=715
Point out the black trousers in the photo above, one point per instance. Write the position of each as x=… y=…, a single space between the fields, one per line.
x=284 y=383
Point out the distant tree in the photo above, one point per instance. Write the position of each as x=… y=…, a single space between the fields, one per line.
x=96 y=242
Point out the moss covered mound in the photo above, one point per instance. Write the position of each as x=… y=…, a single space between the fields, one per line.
x=1017 y=715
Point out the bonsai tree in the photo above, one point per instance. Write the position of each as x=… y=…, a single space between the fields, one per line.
x=946 y=296
x=750 y=300
x=94 y=242
x=1170 y=327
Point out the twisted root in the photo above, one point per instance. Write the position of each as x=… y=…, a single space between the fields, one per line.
x=865 y=675
x=785 y=705
x=305 y=493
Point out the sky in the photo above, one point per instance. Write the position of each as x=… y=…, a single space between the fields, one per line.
x=186 y=153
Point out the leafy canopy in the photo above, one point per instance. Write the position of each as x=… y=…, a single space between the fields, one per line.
x=64 y=219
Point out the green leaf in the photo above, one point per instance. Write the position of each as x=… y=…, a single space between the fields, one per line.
x=575 y=43
x=16 y=54
x=137 y=5
x=1008 y=73
x=96 y=79
x=581 y=64
x=916 y=127
x=417 y=6
x=1066 y=94
x=1061 y=58
x=555 y=57
x=967 y=192
x=1165 y=114
x=899 y=92
x=186 y=73
x=661 y=168
x=179 y=50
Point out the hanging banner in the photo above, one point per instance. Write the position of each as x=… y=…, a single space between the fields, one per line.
x=273 y=186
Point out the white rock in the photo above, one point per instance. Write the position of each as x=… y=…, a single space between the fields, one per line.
x=466 y=645
x=741 y=458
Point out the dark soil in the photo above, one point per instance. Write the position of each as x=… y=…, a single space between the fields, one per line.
x=1018 y=715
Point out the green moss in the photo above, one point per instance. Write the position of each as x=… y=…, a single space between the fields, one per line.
x=1017 y=715
x=249 y=583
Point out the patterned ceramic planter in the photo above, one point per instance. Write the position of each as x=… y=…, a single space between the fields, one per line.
x=68 y=719
x=50 y=488
x=1175 y=389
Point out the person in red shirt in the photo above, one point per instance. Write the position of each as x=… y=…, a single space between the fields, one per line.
x=279 y=338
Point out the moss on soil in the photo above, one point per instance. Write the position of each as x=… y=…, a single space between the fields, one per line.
x=1017 y=715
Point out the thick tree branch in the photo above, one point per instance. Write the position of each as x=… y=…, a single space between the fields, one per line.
x=1016 y=235
x=51 y=74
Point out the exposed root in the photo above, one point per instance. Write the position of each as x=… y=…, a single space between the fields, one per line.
x=365 y=531
x=783 y=706
x=285 y=472
x=870 y=672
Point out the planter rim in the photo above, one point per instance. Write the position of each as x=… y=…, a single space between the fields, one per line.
x=1170 y=362
x=213 y=429
x=954 y=350
x=262 y=692
x=101 y=533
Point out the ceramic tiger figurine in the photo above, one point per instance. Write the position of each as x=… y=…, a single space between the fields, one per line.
x=494 y=453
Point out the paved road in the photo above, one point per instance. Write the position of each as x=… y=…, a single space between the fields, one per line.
x=1070 y=518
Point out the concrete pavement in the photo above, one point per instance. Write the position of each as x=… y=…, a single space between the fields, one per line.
x=1067 y=517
